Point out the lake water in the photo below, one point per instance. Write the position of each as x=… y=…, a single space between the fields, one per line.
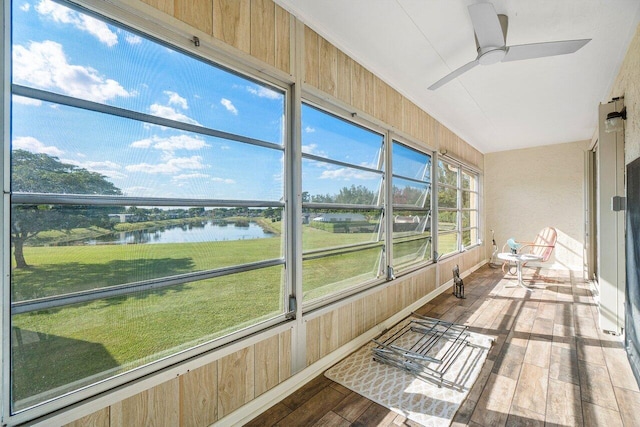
x=187 y=233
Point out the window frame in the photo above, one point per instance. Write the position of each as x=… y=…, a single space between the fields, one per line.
x=459 y=210
x=318 y=103
x=432 y=192
x=213 y=56
x=135 y=19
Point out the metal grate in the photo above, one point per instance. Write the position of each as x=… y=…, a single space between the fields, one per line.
x=425 y=347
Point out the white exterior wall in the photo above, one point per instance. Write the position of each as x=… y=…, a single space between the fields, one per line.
x=529 y=189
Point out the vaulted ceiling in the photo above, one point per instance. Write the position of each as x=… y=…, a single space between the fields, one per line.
x=411 y=44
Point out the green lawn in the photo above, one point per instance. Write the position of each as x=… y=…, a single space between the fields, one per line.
x=94 y=340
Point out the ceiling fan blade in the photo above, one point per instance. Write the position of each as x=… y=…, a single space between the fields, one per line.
x=486 y=25
x=452 y=75
x=540 y=50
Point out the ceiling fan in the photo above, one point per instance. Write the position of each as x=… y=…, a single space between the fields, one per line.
x=491 y=32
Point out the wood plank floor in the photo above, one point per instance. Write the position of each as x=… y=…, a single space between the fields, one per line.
x=550 y=364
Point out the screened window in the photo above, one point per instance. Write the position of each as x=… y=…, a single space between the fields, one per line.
x=411 y=190
x=140 y=231
x=342 y=182
x=457 y=208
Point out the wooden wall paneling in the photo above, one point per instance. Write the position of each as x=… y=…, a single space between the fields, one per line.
x=370 y=311
x=358 y=307
x=446 y=270
x=402 y=292
x=425 y=283
x=284 y=355
x=199 y=396
x=343 y=81
x=267 y=364
x=311 y=57
x=166 y=6
x=263 y=30
x=468 y=154
x=328 y=68
x=157 y=406
x=283 y=40
x=232 y=23
x=460 y=148
x=410 y=118
x=313 y=340
x=418 y=286
x=389 y=301
x=345 y=324
x=446 y=139
x=362 y=88
x=235 y=380
x=329 y=332
x=429 y=129
x=394 y=107
x=380 y=306
x=97 y=419
x=380 y=99
x=197 y=13
x=407 y=112
x=392 y=300
x=406 y=291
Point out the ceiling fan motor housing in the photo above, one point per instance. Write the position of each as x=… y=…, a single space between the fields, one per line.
x=488 y=55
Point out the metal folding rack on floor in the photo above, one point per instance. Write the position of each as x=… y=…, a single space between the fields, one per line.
x=425 y=347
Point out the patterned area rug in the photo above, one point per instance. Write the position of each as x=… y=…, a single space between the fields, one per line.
x=419 y=400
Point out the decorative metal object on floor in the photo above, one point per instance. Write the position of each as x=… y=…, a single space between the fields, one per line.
x=425 y=347
x=422 y=399
x=458 y=284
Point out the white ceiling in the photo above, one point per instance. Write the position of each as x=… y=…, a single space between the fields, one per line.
x=411 y=44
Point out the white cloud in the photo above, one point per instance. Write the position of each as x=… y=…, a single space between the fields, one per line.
x=172 y=143
x=186 y=176
x=170 y=113
x=142 y=143
x=313 y=149
x=229 y=106
x=133 y=39
x=223 y=180
x=26 y=101
x=171 y=166
x=83 y=22
x=30 y=143
x=25 y=7
x=309 y=129
x=44 y=65
x=344 y=174
x=176 y=99
x=263 y=92
x=106 y=168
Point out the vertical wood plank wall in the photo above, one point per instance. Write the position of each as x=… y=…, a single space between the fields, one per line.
x=263 y=30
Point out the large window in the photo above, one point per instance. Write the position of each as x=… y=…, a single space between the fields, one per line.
x=457 y=208
x=411 y=194
x=149 y=191
x=342 y=182
x=146 y=202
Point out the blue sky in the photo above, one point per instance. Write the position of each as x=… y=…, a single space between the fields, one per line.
x=61 y=50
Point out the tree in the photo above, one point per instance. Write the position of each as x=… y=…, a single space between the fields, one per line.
x=359 y=195
x=41 y=173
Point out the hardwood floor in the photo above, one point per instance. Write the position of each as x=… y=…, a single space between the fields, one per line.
x=550 y=365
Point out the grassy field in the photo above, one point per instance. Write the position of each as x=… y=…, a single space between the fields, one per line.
x=100 y=338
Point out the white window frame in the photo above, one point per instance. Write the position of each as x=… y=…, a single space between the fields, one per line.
x=130 y=19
